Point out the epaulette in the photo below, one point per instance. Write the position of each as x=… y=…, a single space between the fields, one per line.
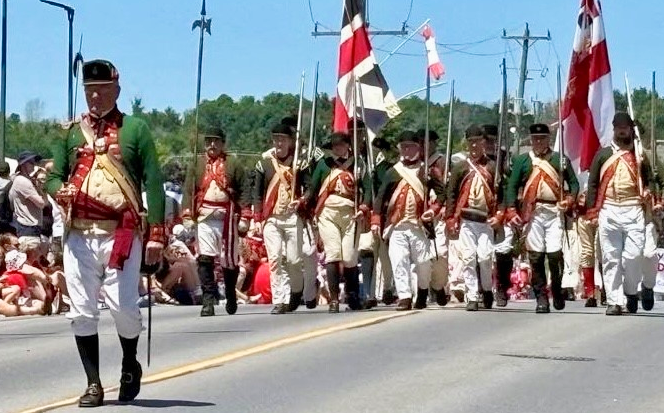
x=67 y=125
x=268 y=154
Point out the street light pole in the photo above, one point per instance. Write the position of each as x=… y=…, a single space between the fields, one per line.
x=70 y=71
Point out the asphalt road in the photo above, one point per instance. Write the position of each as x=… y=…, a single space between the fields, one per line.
x=436 y=360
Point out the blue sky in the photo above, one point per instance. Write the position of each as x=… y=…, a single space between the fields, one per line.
x=260 y=46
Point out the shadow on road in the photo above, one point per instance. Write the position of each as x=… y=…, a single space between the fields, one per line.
x=160 y=404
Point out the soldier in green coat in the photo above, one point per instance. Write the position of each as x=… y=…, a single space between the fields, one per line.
x=538 y=174
x=99 y=171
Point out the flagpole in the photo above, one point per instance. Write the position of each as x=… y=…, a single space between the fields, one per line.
x=406 y=40
x=448 y=149
x=638 y=148
x=312 y=126
x=204 y=25
x=653 y=142
x=426 y=138
x=356 y=169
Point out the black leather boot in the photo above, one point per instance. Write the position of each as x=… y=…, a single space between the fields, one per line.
x=556 y=269
x=208 y=285
x=230 y=280
x=421 y=300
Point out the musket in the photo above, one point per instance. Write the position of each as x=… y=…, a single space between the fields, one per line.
x=296 y=156
x=428 y=226
x=638 y=148
x=448 y=148
x=149 y=316
x=314 y=111
x=561 y=152
x=78 y=62
x=204 y=25
x=653 y=142
x=497 y=179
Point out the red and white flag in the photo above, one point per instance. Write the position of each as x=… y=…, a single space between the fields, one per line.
x=436 y=68
x=588 y=106
x=357 y=61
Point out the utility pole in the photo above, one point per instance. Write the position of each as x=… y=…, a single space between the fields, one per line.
x=364 y=4
x=537 y=108
x=525 y=41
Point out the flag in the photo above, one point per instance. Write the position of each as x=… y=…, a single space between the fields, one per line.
x=357 y=60
x=436 y=68
x=588 y=106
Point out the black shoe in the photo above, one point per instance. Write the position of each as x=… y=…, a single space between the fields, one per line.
x=542 y=305
x=231 y=305
x=632 y=304
x=501 y=298
x=472 y=306
x=421 y=300
x=389 y=298
x=591 y=302
x=441 y=297
x=613 y=310
x=93 y=396
x=559 y=303
x=354 y=302
x=207 y=310
x=647 y=298
x=295 y=301
x=130 y=383
x=370 y=303
x=487 y=299
x=311 y=304
x=334 y=307
x=280 y=309
x=405 y=305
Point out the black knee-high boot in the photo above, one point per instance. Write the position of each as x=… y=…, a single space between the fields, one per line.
x=539 y=280
x=332 y=270
x=504 y=263
x=367 y=267
x=556 y=269
x=88 y=350
x=208 y=284
x=352 y=288
x=230 y=280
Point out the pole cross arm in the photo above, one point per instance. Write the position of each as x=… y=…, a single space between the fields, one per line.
x=69 y=9
x=204 y=24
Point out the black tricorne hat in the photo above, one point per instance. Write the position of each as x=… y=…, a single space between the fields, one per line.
x=351 y=124
x=474 y=131
x=96 y=72
x=282 y=129
x=381 y=143
x=214 y=132
x=433 y=136
x=409 y=136
x=622 y=119
x=336 y=137
x=490 y=130
x=539 y=129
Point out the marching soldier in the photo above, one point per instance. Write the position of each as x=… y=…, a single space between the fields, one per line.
x=469 y=214
x=333 y=192
x=504 y=234
x=400 y=210
x=440 y=264
x=222 y=214
x=97 y=175
x=538 y=173
x=617 y=192
x=277 y=203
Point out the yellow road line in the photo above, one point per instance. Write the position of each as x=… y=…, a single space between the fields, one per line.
x=235 y=355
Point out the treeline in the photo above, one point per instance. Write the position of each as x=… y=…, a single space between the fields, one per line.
x=247 y=122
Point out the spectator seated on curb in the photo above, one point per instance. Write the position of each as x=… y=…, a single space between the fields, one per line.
x=23 y=287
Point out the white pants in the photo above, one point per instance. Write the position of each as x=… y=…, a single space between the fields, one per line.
x=384 y=280
x=408 y=248
x=571 y=253
x=650 y=257
x=503 y=244
x=476 y=239
x=279 y=233
x=86 y=272
x=622 y=236
x=337 y=230
x=216 y=239
x=440 y=270
x=309 y=263
x=544 y=232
